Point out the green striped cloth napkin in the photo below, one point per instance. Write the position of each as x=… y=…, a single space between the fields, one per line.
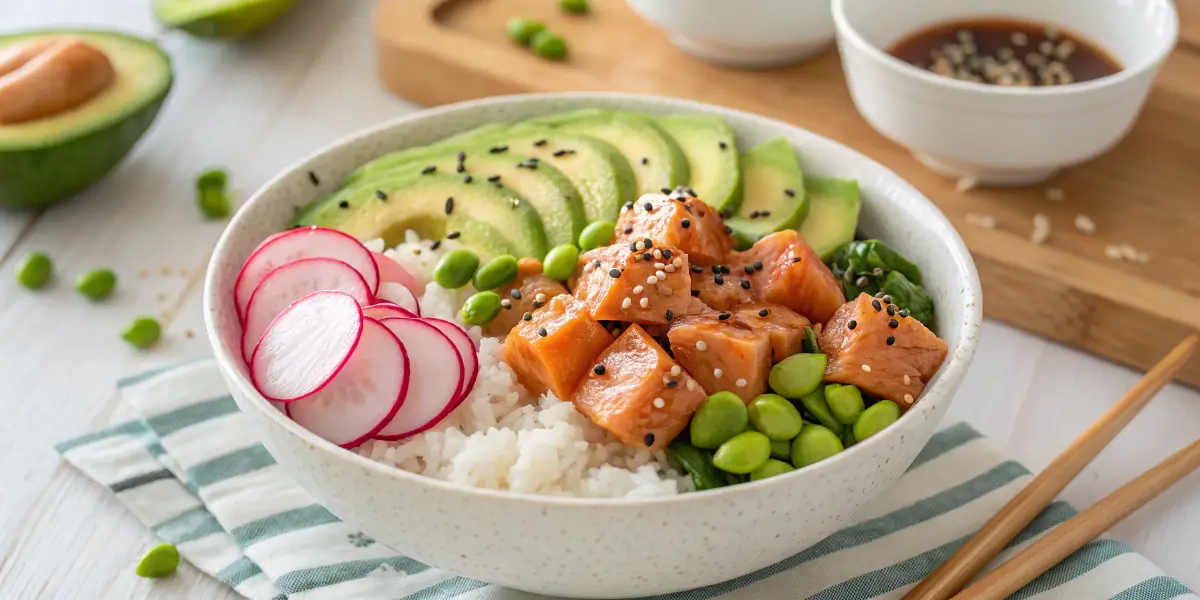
x=191 y=469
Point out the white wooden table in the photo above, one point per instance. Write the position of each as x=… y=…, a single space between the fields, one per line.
x=256 y=106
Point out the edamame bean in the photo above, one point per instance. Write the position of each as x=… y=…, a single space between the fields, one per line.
x=455 y=269
x=698 y=465
x=35 y=271
x=96 y=285
x=577 y=7
x=797 y=375
x=596 y=234
x=548 y=45
x=211 y=194
x=743 y=453
x=143 y=332
x=814 y=444
x=845 y=402
x=495 y=273
x=781 y=450
x=521 y=30
x=719 y=417
x=775 y=417
x=771 y=469
x=560 y=262
x=481 y=308
x=815 y=404
x=875 y=419
x=160 y=561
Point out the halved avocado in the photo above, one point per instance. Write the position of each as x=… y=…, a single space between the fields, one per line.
x=46 y=160
x=490 y=220
x=832 y=219
x=773 y=196
x=219 y=18
x=712 y=158
x=656 y=159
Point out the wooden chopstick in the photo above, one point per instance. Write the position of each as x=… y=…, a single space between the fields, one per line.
x=1055 y=546
x=977 y=552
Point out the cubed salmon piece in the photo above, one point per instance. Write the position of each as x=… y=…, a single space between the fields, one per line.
x=784 y=327
x=793 y=275
x=871 y=345
x=646 y=285
x=555 y=347
x=638 y=393
x=723 y=286
x=678 y=221
x=522 y=296
x=722 y=354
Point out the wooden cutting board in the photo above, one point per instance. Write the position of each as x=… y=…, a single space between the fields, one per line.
x=1145 y=193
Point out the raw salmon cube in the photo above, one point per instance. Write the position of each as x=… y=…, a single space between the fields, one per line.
x=635 y=283
x=793 y=275
x=722 y=353
x=784 y=327
x=870 y=344
x=555 y=347
x=678 y=221
x=522 y=295
x=637 y=393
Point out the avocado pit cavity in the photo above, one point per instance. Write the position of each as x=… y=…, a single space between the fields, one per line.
x=50 y=76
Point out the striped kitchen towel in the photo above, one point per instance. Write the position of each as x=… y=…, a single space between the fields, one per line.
x=192 y=471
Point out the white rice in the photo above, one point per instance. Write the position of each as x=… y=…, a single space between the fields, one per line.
x=502 y=437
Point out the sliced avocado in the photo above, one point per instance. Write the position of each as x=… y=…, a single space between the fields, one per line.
x=832 y=214
x=773 y=195
x=48 y=159
x=655 y=157
x=219 y=18
x=544 y=187
x=712 y=158
x=490 y=220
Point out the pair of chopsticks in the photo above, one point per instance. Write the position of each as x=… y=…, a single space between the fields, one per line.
x=952 y=576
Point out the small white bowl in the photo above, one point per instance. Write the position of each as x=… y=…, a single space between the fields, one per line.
x=586 y=547
x=746 y=33
x=999 y=135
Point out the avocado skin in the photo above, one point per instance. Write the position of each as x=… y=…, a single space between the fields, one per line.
x=40 y=176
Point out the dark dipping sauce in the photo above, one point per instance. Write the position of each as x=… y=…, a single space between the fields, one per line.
x=1005 y=52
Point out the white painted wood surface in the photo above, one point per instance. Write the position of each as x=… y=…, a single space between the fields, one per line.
x=256 y=106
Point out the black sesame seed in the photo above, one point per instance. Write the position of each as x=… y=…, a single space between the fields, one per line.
x=891 y=310
x=645 y=161
x=449 y=208
x=649 y=439
x=666 y=254
x=435 y=245
x=715 y=269
x=725 y=269
x=754 y=214
x=878 y=295
x=758 y=266
x=852 y=324
x=614 y=273
x=628 y=230
x=685 y=223
x=722 y=145
x=718 y=279
x=628 y=205
x=875 y=304
x=343 y=204
x=312 y=177
x=790 y=193
x=672 y=383
x=633 y=247
x=764 y=213
x=665 y=190
x=598 y=369
x=453 y=235
x=862 y=281
x=506 y=303
x=797 y=259
x=515 y=293
x=527 y=316
x=647 y=256
x=893 y=323
x=670 y=315
x=725 y=213
x=891 y=339
x=723 y=316
x=563 y=152
x=748 y=269
x=690 y=192
x=764 y=312
x=745 y=284
x=695 y=293
x=461 y=168
x=493 y=178
x=429 y=170
x=596 y=264
x=542 y=331
x=540 y=143
x=467 y=179
x=649 y=207
x=497 y=149
x=462 y=156
x=537 y=305
x=697 y=269
x=904 y=312
x=647 y=242
x=728 y=229
x=381 y=195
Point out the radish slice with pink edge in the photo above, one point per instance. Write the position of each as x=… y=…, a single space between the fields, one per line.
x=295 y=244
x=399 y=295
x=291 y=282
x=466 y=351
x=306 y=345
x=384 y=310
x=365 y=394
x=435 y=376
x=390 y=270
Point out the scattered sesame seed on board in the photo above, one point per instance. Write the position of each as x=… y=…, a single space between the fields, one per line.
x=965 y=184
x=1041 y=229
x=985 y=221
x=1055 y=194
x=1085 y=224
x=1127 y=253
x=165 y=269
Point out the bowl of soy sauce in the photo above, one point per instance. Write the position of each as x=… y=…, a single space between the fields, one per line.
x=1003 y=92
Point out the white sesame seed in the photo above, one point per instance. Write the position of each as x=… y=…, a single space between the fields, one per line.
x=645 y=302
x=637 y=289
x=652 y=280
x=670 y=268
x=626 y=303
x=678 y=262
x=866 y=368
x=659 y=265
x=718 y=373
x=540 y=298
x=908 y=398
x=675 y=371
x=691 y=385
x=637 y=258
x=907 y=379
x=506 y=303
x=1085 y=224
x=657 y=253
x=701 y=346
x=1055 y=194
x=659 y=403
x=965 y=184
x=985 y=221
x=1041 y=228
x=1113 y=251
x=740 y=383
x=637 y=246
x=660 y=275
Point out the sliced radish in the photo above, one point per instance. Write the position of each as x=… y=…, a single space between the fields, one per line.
x=292 y=282
x=295 y=244
x=399 y=295
x=390 y=270
x=435 y=376
x=384 y=310
x=466 y=351
x=365 y=394
x=306 y=345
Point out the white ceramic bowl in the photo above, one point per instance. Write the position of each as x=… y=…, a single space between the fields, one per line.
x=745 y=33
x=602 y=548
x=999 y=135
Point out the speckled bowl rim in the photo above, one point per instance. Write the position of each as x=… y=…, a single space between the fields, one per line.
x=941 y=388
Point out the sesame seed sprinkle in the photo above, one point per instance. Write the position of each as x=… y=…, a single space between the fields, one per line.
x=343 y=204
x=876 y=305
x=790 y=193
x=645 y=302
x=626 y=303
x=764 y=312
x=740 y=383
x=312 y=177
x=542 y=331
x=695 y=293
x=429 y=170
x=382 y=195
x=539 y=298
x=862 y=281
x=453 y=235
x=645 y=161
x=745 y=284
x=676 y=262
x=637 y=289
x=723 y=316
x=691 y=385
x=515 y=293
x=697 y=269
x=866 y=368
x=852 y=324
x=701 y=346
x=449 y=208
x=907 y=379
x=614 y=273
x=666 y=190
x=506 y=303
x=893 y=323
x=891 y=309
x=493 y=178
x=891 y=340
x=670 y=315
x=660 y=274
x=659 y=403
x=718 y=373
x=908 y=398
x=497 y=149
x=718 y=279
x=797 y=259
x=652 y=280
x=676 y=370
x=648 y=207
x=657 y=253
x=598 y=369
x=540 y=143
x=648 y=440
x=748 y=269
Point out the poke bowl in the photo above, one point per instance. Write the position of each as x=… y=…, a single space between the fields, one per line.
x=510 y=338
